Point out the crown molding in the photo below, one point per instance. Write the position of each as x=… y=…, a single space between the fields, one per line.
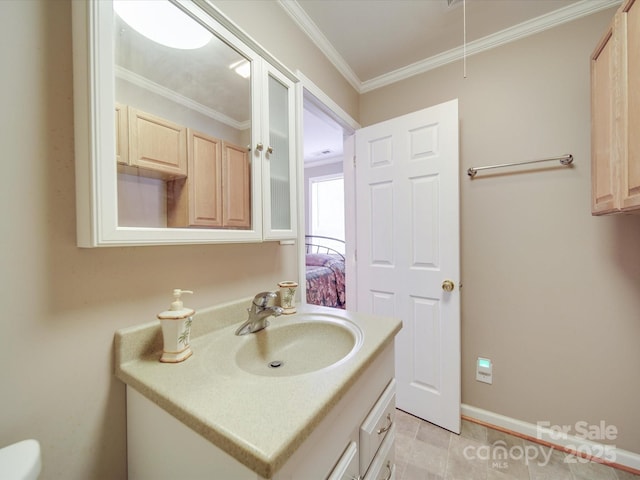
x=511 y=34
x=304 y=22
x=169 y=94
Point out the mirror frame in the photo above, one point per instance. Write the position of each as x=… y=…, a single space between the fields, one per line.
x=94 y=100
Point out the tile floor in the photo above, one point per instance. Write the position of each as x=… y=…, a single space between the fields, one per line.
x=427 y=452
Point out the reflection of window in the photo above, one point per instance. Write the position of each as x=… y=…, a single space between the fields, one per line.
x=327 y=208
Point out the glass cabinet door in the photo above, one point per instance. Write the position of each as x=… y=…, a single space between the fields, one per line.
x=279 y=159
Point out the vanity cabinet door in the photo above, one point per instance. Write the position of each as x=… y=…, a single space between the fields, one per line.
x=157 y=144
x=347 y=466
x=383 y=466
x=236 y=186
x=377 y=426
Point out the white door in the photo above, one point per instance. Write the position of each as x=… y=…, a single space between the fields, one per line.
x=407 y=229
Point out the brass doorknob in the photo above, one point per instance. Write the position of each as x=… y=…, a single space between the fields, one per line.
x=448 y=286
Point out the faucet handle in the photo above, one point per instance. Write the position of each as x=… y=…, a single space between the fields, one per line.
x=262 y=298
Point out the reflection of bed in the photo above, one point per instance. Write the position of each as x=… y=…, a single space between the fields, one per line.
x=325 y=272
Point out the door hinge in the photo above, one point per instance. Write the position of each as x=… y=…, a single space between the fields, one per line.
x=354 y=161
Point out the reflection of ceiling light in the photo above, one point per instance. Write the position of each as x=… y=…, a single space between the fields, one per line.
x=242 y=68
x=163 y=23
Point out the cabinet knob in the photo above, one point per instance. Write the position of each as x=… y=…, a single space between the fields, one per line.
x=259 y=147
x=269 y=149
x=448 y=286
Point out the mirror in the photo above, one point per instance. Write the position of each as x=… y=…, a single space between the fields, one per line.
x=150 y=118
x=183 y=123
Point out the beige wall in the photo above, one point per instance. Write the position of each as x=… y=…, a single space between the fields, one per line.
x=551 y=294
x=60 y=304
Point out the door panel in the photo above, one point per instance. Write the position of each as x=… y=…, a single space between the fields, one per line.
x=407 y=227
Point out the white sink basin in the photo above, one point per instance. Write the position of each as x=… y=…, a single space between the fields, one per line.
x=302 y=343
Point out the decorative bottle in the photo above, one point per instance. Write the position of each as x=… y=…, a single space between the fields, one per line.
x=176 y=330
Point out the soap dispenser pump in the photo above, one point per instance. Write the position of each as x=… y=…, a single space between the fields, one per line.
x=176 y=329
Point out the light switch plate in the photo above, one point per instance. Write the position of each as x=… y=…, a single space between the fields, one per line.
x=484 y=370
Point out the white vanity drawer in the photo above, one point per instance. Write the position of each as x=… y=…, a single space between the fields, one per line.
x=377 y=425
x=347 y=466
x=383 y=466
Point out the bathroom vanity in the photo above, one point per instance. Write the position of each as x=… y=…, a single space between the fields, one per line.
x=326 y=412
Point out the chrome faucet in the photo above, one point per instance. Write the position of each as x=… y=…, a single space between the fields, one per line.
x=258 y=313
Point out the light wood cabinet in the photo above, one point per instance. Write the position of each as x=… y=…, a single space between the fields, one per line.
x=150 y=143
x=236 y=186
x=122 y=134
x=615 y=115
x=196 y=201
x=217 y=191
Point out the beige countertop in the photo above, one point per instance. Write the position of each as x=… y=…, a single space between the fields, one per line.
x=258 y=420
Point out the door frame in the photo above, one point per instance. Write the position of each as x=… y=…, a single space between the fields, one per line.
x=307 y=91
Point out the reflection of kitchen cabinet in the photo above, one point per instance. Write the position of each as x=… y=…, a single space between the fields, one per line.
x=155 y=144
x=216 y=193
x=122 y=134
x=236 y=186
x=615 y=115
x=197 y=200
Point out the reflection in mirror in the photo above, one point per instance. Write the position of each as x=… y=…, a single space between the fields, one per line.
x=183 y=126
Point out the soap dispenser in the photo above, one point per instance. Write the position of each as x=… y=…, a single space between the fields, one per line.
x=176 y=330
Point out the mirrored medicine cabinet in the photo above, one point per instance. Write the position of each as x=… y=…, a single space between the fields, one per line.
x=179 y=144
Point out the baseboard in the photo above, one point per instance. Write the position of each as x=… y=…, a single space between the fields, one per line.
x=583 y=447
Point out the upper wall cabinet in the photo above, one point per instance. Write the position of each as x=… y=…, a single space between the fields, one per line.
x=615 y=115
x=179 y=140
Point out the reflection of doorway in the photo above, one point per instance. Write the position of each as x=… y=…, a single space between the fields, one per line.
x=325 y=209
x=325 y=235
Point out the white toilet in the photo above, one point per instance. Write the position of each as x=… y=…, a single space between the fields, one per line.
x=20 y=461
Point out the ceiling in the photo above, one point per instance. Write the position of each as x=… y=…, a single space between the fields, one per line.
x=372 y=43
x=377 y=42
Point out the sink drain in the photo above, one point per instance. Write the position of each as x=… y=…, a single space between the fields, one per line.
x=276 y=364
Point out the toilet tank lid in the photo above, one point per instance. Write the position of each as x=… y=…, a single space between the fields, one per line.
x=21 y=460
